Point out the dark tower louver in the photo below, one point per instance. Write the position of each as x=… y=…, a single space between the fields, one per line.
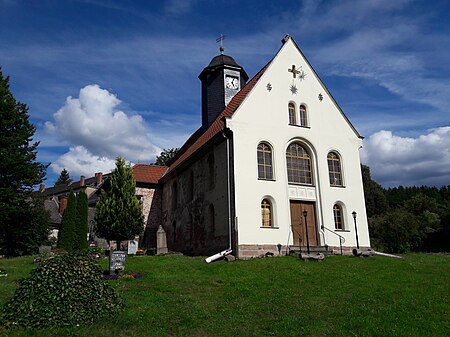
x=221 y=80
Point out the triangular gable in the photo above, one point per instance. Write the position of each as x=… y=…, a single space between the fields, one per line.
x=288 y=37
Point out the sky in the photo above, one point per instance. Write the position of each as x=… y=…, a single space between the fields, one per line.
x=104 y=78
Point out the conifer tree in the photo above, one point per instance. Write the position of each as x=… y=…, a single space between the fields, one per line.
x=68 y=224
x=81 y=228
x=19 y=172
x=63 y=178
x=118 y=214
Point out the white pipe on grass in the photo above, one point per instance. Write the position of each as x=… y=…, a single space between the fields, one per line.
x=218 y=256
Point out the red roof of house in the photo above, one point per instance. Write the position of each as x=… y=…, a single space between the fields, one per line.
x=144 y=173
x=218 y=125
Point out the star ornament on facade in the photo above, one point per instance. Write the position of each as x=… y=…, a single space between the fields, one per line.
x=301 y=75
x=293 y=89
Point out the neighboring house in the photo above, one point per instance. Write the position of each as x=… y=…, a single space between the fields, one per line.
x=274 y=164
x=56 y=198
x=148 y=191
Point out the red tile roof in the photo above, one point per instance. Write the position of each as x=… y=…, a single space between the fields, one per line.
x=144 y=173
x=218 y=125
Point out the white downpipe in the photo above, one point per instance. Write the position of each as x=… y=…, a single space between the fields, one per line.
x=229 y=250
x=228 y=191
x=218 y=256
x=386 y=255
x=370 y=252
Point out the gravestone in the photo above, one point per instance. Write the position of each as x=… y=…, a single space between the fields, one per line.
x=132 y=247
x=45 y=250
x=161 y=241
x=117 y=262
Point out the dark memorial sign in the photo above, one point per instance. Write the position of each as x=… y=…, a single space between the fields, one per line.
x=117 y=262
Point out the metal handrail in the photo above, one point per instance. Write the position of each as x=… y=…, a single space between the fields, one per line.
x=341 y=238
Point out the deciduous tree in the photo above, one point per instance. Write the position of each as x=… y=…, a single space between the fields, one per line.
x=375 y=199
x=165 y=156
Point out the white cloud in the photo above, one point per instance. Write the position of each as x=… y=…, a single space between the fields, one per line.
x=395 y=160
x=79 y=161
x=381 y=43
x=178 y=7
x=99 y=132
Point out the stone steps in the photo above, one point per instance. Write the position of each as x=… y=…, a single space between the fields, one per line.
x=296 y=250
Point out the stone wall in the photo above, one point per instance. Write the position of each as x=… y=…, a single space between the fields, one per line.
x=195 y=205
x=151 y=208
x=253 y=251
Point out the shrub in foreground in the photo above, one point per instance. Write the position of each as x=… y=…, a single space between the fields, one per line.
x=65 y=290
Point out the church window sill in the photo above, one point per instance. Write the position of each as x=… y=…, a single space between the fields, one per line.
x=342 y=230
x=300 y=184
x=300 y=126
x=262 y=179
x=267 y=227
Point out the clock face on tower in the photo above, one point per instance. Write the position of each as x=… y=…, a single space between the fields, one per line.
x=231 y=82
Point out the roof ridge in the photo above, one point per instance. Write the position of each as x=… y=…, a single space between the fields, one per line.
x=140 y=164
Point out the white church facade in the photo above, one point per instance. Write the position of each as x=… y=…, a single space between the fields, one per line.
x=274 y=167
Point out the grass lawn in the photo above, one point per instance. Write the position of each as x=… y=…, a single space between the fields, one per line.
x=340 y=296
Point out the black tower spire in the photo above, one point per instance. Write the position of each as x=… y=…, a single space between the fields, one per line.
x=221 y=80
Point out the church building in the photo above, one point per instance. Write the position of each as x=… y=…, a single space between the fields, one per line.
x=273 y=168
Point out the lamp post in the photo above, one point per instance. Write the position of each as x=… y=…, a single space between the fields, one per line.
x=356 y=229
x=305 y=214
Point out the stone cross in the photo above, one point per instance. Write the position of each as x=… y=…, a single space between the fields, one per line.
x=294 y=71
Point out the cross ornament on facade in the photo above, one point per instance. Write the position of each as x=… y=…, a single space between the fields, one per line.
x=294 y=71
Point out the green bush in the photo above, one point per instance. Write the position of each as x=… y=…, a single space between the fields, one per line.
x=396 y=231
x=65 y=290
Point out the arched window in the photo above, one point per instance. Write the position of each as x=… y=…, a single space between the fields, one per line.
x=291 y=109
x=191 y=227
x=174 y=195
x=303 y=118
x=298 y=164
x=190 y=186
x=212 y=220
x=174 y=228
x=334 y=169
x=266 y=213
x=265 y=166
x=211 y=171
x=338 y=221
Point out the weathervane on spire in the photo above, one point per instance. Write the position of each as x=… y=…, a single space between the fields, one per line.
x=220 y=39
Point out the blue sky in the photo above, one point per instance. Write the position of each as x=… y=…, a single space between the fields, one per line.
x=106 y=78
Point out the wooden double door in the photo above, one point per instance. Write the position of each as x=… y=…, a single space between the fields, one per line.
x=298 y=226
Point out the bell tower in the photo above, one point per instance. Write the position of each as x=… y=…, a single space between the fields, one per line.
x=221 y=80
